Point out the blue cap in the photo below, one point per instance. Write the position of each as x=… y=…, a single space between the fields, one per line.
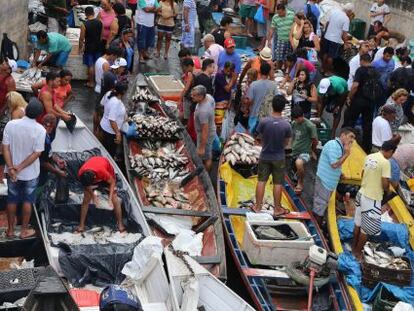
x=116 y=295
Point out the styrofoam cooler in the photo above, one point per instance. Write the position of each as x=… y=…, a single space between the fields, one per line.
x=276 y=252
x=166 y=85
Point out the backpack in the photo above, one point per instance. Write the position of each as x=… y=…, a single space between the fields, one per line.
x=372 y=88
x=311 y=17
x=266 y=106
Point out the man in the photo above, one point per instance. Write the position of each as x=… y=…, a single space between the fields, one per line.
x=282 y=22
x=113 y=75
x=257 y=93
x=275 y=133
x=365 y=91
x=354 y=63
x=381 y=128
x=404 y=156
x=332 y=94
x=145 y=21
x=23 y=142
x=328 y=173
x=229 y=55
x=57 y=47
x=247 y=12
x=102 y=65
x=336 y=33
x=312 y=14
x=205 y=77
x=185 y=53
x=7 y=83
x=379 y=12
x=95 y=171
x=385 y=66
x=223 y=32
x=265 y=55
x=125 y=42
x=305 y=141
x=205 y=18
x=90 y=43
x=212 y=50
x=380 y=32
x=375 y=181
x=204 y=124
x=56 y=12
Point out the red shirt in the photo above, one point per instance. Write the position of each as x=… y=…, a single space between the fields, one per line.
x=101 y=167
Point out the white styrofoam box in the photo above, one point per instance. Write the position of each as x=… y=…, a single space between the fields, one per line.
x=166 y=85
x=276 y=252
x=76 y=66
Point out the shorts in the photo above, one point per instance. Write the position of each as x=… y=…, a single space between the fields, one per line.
x=395 y=171
x=321 y=198
x=89 y=59
x=305 y=157
x=188 y=38
x=165 y=29
x=208 y=154
x=145 y=37
x=22 y=191
x=60 y=59
x=282 y=50
x=247 y=11
x=368 y=215
x=274 y=168
x=332 y=49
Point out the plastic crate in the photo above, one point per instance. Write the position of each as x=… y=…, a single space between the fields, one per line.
x=373 y=274
x=241 y=41
x=384 y=301
x=324 y=132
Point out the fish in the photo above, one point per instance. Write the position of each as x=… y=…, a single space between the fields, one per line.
x=380 y=254
x=167 y=196
x=241 y=149
x=156 y=127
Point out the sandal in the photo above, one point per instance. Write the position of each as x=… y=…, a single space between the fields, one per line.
x=285 y=212
x=31 y=235
x=10 y=236
x=298 y=190
x=79 y=231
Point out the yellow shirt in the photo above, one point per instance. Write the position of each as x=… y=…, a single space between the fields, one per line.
x=376 y=167
x=167 y=14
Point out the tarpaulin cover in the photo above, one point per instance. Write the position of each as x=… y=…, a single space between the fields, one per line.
x=397 y=234
x=96 y=264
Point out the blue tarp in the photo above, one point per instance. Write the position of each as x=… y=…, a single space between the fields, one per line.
x=397 y=234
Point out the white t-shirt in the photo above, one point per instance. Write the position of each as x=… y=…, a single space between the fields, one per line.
x=338 y=23
x=213 y=53
x=144 y=18
x=25 y=136
x=99 y=73
x=354 y=64
x=381 y=131
x=376 y=9
x=114 y=110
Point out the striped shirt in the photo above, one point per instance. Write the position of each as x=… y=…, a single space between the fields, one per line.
x=331 y=153
x=283 y=24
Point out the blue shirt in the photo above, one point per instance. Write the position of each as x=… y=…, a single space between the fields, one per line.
x=331 y=153
x=233 y=58
x=384 y=69
x=315 y=10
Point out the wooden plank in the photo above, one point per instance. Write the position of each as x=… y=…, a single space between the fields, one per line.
x=207 y=260
x=205 y=224
x=265 y=273
x=174 y=211
x=243 y=211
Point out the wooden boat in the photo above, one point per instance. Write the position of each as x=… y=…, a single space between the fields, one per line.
x=269 y=289
x=153 y=289
x=352 y=167
x=204 y=211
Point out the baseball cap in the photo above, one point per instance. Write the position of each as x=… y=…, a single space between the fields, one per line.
x=389 y=109
x=229 y=42
x=324 y=85
x=208 y=38
x=12 y=64
x=120 y=62
x=266 y=54
x=34 y=108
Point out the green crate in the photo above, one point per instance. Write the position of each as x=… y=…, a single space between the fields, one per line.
x=385 y=301
x=324 y=132
x=241 y=41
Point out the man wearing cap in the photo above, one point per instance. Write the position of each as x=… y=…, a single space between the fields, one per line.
x=229 y=55
x=381 y=128
x=375 y=181
x=114 y=75
x=336 y=33
x=265 y=55
x=7 y=83
x=212 y=49
x=23 y=142
x=125 y=42
x=332 y=94
x=57 y=47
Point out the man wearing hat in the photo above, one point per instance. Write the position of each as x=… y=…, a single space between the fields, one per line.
x=265 y=55
x=114 y=75
x=7 y=83
x=381 y=128
x=375 y=181
x=229 y=55
x=23 y=142
x=212 y=49
x=332 y=93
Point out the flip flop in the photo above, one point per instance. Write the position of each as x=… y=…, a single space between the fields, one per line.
x=77 y=231
x=123 y=230
x=9 y=236
x=285 y=211
x=28 y=236
x=298 y=190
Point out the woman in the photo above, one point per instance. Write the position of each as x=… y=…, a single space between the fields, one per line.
x=126 y=43
x=16 y=105
x=113 y=118
x=7 y=83
x=188 y=25
x=303 y=92
x=124 y=22
x=309 y=41
x=296 y=30
x=167 y=13
x=109 y=22
x=397 y=100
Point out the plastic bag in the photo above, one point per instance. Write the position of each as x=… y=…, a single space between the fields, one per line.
x=62 y=190
x=259 y=16
x=312 y=56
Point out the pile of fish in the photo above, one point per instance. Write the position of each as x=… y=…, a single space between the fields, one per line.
x=96 y=235
x=250 y=204
x=156 y=127
x=143 y=94
x=241 y=149
x=385 y=256
x=167 y=196
x=164 y=163
x=28 y=78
